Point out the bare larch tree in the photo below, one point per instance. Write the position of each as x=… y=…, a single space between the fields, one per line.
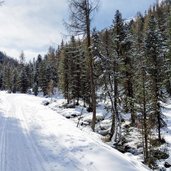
x=81 y=15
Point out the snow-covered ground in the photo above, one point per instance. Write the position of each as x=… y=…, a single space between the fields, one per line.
x=35 y=138
x=167 y=132
x=132 y=135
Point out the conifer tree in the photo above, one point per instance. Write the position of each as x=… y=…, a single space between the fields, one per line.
x=64 y=79
x=7 y=77
x=23 y=81
x=155 y=59
x=1 y=80
x=75 y=72
x=141 y=84
x=14 y=80
x=128 y=72
x=84 y=77
x=111 y=66
x=168 y=55
x=52 y=61
x=36 y=74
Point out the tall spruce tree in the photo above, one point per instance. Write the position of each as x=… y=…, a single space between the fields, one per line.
x=141 y=87
x=23 y=81
x=64 y=75
x=74 y=69
x=118 y=36
x=155 y=59
x=42 y=79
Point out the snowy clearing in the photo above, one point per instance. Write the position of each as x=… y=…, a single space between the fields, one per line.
x=35 y=138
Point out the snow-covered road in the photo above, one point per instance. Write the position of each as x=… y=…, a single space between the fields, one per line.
x=35 y=138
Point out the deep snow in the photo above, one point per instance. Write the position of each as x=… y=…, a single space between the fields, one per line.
x=35 y=138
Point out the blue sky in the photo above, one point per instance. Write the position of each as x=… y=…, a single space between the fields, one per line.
x=34 y=25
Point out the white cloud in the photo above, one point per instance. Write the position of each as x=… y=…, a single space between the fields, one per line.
x=34 y=25
x=31 y=26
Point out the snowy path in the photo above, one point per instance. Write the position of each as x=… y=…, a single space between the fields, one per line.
x=35 y=138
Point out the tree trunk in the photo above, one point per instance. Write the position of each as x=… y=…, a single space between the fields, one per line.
x=145 y=122
x=92 y=84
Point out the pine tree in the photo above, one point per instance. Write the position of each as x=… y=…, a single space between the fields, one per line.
x=7 y=77
x=42 y=79
x=155 y=59
x=1 y=80
x=74 y=69
x=64 y=74
x=128 y=72
x=141 y=87
x=84 y=78
x=36 y=74
x=23 y=81
x=52 y=61
x=111 y=66
x=168 y=55
x=14 y=81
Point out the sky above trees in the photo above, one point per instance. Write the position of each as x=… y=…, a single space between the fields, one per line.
x=34 y=25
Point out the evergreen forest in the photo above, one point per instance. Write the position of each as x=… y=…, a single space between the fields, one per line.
x=127 y=66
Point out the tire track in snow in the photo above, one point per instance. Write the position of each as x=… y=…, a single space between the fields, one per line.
x=3 y=123
x=35 y=151
x=3 y=138
x=2 y=146
x=23 y=153
x=42 y=157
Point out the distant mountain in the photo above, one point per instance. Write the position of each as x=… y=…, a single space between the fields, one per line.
x=2 y=57
x=6 y=59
